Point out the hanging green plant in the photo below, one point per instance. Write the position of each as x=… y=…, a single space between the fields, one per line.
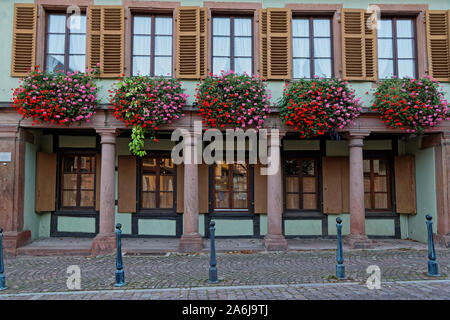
x=145 y=103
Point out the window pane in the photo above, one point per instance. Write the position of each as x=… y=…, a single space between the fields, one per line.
x=220 y=64
x=300 y=27
x=381 y=201
x=149 y=200
x=240 y=200
x=166 y=183
x=321 y=27
x=292 y=184
x=163 y=25
x=77 y=44
x=385 y=68
x=221 y=26
x=405 y=29
x=302 y=68
x=57 y=23
x=322 y=47
x=292 y=201
x=406 y=68
x=69 y=199
x=54 y=63
x=366 y=166
x=70 y=181
x=385 y=48
x=86 y=198
x=242 y=26
x=163 y=66
x=322 y=68
x=86 y=164
x=300 y=47
x=163 y=46
x=221 y=46
x=380 y=184
x=367 y=183
x=56 y=43
x=308 y=168
x=367 y=201
x=243 y=47
x=70 y=164
x=77 y=24
x=405 y=48
x=141 y=45
x=309 y=201
x=222 y=200
x=385 y=29
x=77 y=63
x=166 y=200
x=240 y=177
x=87 y=181
x=291 y=167
x=242 y=65
x=148 y=182
x=141 y=65
x=142 y=25
x=309 y=184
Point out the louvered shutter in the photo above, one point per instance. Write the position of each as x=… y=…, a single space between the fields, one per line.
x=188 y=43
x=126 y=189
x=438 y=44
x=358 y=46
x=45 y=193
x=203 y=42
x=279 y=39
x=405 y=185
x=23 y=39
x=263 y=56
x=106 y=39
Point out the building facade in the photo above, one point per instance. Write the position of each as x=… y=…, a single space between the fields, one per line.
x=80 y=180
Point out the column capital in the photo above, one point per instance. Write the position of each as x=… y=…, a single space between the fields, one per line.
x=357 y=135
x=107 y=135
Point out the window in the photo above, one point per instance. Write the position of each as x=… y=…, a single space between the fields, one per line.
x=396 y=48
x=232 y=44
x=376 y=184
x=152 y=45
x=158 y=178
x=78 y=181
x=301 y=184
x=66 y=47
x=231 y=186
x=311 y=47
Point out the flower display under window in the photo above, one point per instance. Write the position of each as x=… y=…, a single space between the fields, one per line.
x=145 y=103
x=318 y=105
x=233 y=100
x=59 y=97
x=410 y=104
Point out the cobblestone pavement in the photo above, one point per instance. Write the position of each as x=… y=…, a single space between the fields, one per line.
x=49 y=274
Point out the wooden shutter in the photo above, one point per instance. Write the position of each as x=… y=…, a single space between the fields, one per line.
x=358 y=46
x=405 y=184
x=335 y=177
x=275 y=43
x=203 y=42
x=180 y=188
x=45 y=182
x=106 y=40
x=260 y=190
x=23 y=39
x=438 y=44
x=188 y=43
x=127 y=184
x=98 y=172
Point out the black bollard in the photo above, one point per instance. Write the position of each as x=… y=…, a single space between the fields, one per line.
x=340 y=268
x=120 y=274
x=432 y=263
x=212 y=259
x=2 y=266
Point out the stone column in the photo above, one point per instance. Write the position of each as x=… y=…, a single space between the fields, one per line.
x=274 y=240
x=357 y=237
x=191 y=240
x=105 y=242
x=12 y=185
x=442 y=159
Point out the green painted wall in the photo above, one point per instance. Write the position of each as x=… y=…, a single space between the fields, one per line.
x=263 y=224
x=332 y=224
x=157 y=227
x=77 y=141
x=380 y=227
x=76 y=224
x=234 y=227
x=303 y=227
x=30 y=219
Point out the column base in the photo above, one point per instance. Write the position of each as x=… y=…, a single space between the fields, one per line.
x=275 y=242
x=12 y=240
x=190 y=243
x=442 y=240
x=103 y=244
x=358 y=241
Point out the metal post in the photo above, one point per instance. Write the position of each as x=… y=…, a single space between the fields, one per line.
x=120 y=274
x=2 y=266
x=340 y=268
x=212 y=261
x=432 y=263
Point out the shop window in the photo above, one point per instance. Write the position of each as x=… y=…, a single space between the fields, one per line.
x=231 y=186
x=377 y=194
x=301 y=184
x=158 y=183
